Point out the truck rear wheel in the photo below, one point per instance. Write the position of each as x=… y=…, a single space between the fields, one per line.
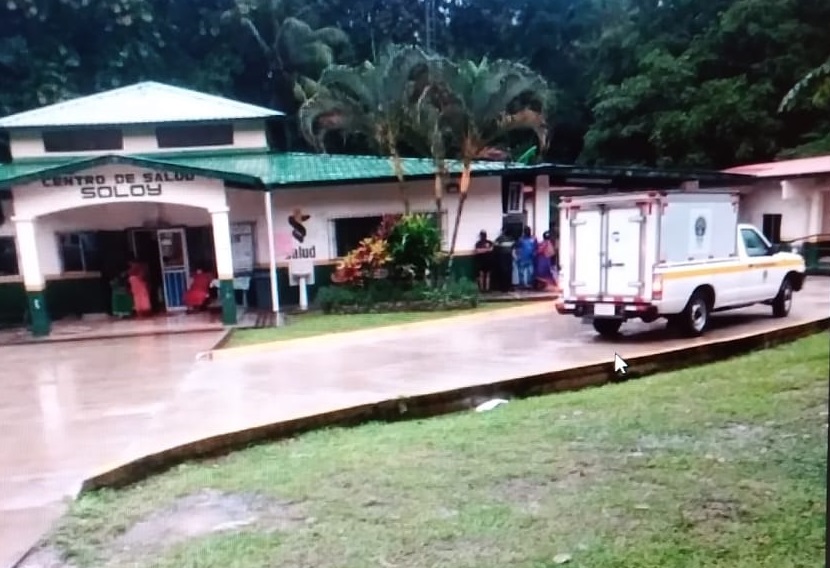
x=607 y=327
x=782 y=303
x=695 y=317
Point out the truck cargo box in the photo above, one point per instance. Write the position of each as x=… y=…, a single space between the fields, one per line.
x=609 y=244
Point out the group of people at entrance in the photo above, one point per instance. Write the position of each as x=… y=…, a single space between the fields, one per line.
x=132 y=291
x=525 y=263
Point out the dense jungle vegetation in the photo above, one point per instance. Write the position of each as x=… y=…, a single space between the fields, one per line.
x=650 y=82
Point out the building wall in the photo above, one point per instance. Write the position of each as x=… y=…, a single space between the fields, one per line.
x=483 y=210
x=766 y=199
x=138 y=139
x=60 y=210
x=802 y=204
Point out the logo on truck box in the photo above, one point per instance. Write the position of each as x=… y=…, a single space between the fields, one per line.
x=700 y=229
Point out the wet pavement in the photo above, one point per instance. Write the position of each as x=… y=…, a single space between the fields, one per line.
x=103 y=327
x=82 y=407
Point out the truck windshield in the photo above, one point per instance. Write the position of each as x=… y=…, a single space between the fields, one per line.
x=753 y=243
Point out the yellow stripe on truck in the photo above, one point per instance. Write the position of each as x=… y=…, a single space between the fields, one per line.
x=713 y=270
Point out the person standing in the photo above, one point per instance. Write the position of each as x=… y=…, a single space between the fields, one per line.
x=544 y=263
x=525 y=256
x=137 y=278
x=483 y=261
x=503 y=262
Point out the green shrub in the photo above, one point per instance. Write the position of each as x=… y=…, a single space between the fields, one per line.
x=395 y=295
x=330 y=298
x=454 y=291
x=413 y=244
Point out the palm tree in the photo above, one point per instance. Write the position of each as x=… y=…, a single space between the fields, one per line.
x=815 y=84
x=372 y=101
x=294 y=52
x=475 y=106
x=430 y=134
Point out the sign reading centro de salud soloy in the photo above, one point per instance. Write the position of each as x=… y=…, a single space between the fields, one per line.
x=118 y=185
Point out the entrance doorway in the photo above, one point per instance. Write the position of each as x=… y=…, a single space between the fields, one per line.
x=164 y=253
x=175 y=269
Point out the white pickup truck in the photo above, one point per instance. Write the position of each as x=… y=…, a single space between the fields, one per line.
x=676 y=255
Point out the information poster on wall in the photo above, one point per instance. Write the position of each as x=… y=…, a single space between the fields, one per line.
x=283 y=244
x=700 y=233
x=242 y=247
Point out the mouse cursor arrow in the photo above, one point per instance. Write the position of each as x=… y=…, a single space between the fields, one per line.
x=619 y=364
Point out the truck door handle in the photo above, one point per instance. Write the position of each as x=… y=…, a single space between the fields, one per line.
x=610 y=264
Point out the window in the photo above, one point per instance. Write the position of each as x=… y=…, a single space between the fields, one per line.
x=771 y=227
x=8 y=257
x=79 y=251
x=514 y=197
x=348 y=232
x=195 y=135
x=754 y=243
x=83 y=140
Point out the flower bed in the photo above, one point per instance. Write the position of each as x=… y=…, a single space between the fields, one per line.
x=394 y=270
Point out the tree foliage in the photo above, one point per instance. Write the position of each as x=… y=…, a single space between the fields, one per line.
x=669 y=82
x=291 y=53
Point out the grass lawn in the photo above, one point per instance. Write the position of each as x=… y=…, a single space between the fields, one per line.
x=716 y=466
x=316 y=323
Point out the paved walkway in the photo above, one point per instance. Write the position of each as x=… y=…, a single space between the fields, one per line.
x=92 y=405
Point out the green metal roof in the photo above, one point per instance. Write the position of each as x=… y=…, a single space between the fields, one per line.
x=256 y=170
x=27 y=170
x=295 y=169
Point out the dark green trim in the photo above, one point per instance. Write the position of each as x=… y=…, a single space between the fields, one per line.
x=12 y=304
x=227 y=299
x=812 y=252
x=39 y=322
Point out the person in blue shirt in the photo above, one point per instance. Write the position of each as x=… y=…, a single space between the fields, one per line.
x=525 y=258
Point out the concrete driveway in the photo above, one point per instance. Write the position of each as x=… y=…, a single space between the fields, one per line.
x=73 y=409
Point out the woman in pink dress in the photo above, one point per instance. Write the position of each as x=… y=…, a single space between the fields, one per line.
x=139 y=289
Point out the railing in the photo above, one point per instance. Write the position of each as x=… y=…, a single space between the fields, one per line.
x=816 y=251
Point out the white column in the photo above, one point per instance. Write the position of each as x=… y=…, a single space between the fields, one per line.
x=222 y=244
x=542 y=199
x=272 y=256
x=816 y=205
x=29 y=261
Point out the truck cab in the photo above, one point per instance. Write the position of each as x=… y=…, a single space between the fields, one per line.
x=679 y=256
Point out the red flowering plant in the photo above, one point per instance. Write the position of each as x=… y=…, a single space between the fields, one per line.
x=369 y=259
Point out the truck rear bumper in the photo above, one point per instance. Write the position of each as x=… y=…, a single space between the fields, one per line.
x=608 y=310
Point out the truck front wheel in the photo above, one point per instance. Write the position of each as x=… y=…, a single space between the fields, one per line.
x=607 y=327
x=695 y=317
x=782 y=303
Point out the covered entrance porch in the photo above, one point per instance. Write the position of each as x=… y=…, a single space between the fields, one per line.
x=150 y=247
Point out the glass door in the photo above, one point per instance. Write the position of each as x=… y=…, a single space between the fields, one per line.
x=175 y=272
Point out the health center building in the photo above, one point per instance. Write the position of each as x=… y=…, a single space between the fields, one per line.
x=184 y=181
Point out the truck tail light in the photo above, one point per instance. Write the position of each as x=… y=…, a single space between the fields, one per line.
x=657 y=287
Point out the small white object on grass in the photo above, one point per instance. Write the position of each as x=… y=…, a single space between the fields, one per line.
x=490 y=404
x=562 y=558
